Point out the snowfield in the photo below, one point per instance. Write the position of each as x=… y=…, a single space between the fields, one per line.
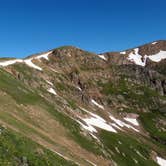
x=122 y=124
x=95 y=121
x=158 y=57
x=139 y=60
x=45 y=55
x=10 y=62
x=31 y=64
x=136 y=58
x=26 y=61
x=100 y=123
x=161 y=161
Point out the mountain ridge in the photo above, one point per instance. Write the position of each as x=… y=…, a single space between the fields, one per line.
x=72 y=46
x=93 y=109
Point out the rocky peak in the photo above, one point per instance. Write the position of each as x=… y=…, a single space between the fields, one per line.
x=68 y=51
x=155 y=52
x=152 y=48
x=108 y=107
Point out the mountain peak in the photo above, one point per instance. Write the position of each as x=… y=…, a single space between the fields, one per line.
x=106 y=109
x=154 y=51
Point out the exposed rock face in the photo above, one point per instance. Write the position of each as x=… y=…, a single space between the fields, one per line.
x=153 y=74
x=147 y=49
x=115 y=58
x=152 y=48
x=145 y=76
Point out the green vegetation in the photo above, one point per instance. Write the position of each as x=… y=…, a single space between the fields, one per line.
x=134 y=94
x=61 y=87
x=6 y=59
x=26 y=71
x=16 y=89
x=150 y=122
x=123 y=95
x=24 y=96
x=125 y=150
x=18 y=150
x=74 y=131
x=72 y=104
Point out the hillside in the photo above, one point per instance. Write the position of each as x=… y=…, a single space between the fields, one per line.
x=68 y=106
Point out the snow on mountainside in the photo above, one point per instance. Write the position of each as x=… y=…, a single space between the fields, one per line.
x=155 y=52
x=132 y=55
x=27 y=61
x=141 y=60
x=161 y=161
x=87 y=109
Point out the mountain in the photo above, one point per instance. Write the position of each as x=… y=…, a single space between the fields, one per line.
x=68 y=106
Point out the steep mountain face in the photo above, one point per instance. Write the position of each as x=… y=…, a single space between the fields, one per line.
x=68 y=106
x=151 y=57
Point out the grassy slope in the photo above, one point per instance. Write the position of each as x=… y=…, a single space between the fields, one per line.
x=125 y=149
x=137 y=97
x=72 y=127
x=18 y=150
x=25 y=96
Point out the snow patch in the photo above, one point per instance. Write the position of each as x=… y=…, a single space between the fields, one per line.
x=139 y=154
x=102 y=57
x=51 y=90
x=88 y=127
x=26 y=61
x=54 y=70
x=122 y=124
x=30 y=64
x=91 y=163
x=154 y=43
x=139 y=60
x=45 y=55
x=136 y=58
x=132 y=120
x=61 y=155
x=95 y=121
x=94 y=137
x=158 y=57
x=119 y=142
x=123 y=52
x=50 y=83
x=116 y=126
x=78 y=88
x=161 y=161
x=10 y=62
x=98 y=105
x=123 y=154
x=116 y=148
x=135 y=161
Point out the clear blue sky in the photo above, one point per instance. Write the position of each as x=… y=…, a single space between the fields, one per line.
x=32 y=26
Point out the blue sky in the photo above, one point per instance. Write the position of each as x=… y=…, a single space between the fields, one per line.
x=32 y=26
